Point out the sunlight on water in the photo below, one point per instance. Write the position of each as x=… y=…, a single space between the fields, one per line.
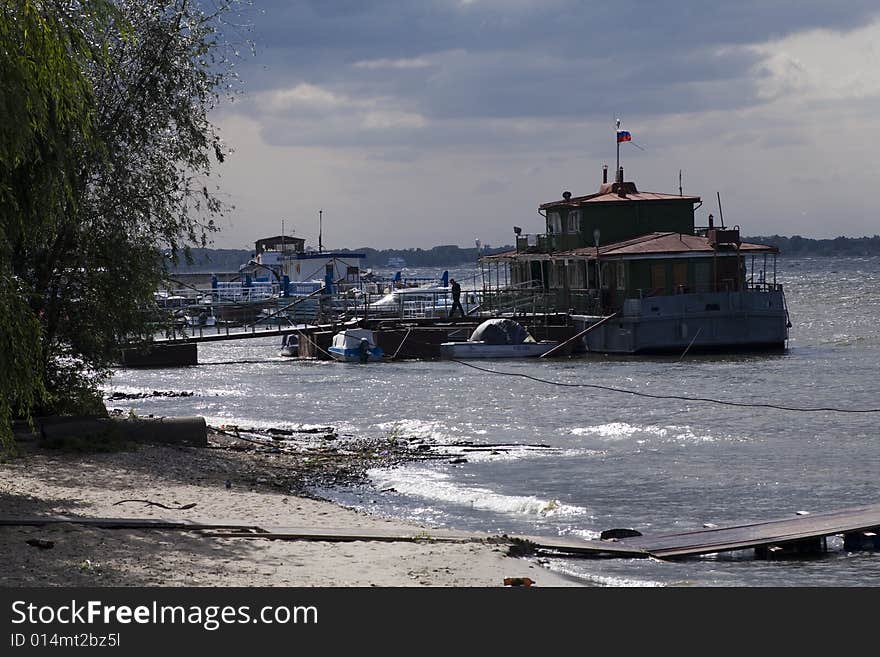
x=575 y=461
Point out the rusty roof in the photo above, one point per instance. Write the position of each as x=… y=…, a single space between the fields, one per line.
x=608 y=193
x=666 y=244
x=651 y=244
x=498 y=256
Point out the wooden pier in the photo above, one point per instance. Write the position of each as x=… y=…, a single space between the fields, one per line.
x=399 y=338
x=785 y=537
x=797 y=535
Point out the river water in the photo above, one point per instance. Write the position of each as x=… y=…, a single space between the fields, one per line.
x=583 y=460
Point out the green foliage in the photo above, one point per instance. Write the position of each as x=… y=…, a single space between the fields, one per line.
x=46 y=106
x=20 y=384
x=105 y=156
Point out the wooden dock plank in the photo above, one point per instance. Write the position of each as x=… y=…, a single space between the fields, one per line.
x=762 y=533
x=666 y=546
x=582 y=547
x=123 y=523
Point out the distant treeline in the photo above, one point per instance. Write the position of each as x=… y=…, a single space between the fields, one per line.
x=805 y=246
x=439 y=256
x=226 y=260
x=214 y=260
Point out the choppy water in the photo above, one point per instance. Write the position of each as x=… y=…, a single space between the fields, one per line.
x=615 y=460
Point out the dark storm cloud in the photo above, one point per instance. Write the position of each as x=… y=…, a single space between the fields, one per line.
x=447 y=60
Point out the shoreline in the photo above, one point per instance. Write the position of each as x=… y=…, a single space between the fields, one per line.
x=264 y=489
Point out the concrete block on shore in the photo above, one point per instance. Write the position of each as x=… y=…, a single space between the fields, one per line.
x=191 y=431
x=162 y=355
x=175 y=430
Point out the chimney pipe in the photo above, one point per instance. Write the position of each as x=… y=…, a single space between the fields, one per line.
x=604 y=174
x=711 y=221
x=620 y=175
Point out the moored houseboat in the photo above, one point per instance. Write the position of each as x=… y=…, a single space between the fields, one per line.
x=639 y=259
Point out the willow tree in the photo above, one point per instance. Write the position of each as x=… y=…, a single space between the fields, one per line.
x=47 y=109
x=127 y=165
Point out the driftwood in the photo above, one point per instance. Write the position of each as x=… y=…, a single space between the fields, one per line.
x=159 y=504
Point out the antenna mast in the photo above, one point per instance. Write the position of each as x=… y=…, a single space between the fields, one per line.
x=617 y=168
x=320 y=229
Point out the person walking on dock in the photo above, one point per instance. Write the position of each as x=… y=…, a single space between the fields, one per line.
x=455 y=288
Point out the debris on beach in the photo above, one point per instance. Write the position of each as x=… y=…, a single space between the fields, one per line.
x=117 y=396
x=159 y=504
x=518 y=581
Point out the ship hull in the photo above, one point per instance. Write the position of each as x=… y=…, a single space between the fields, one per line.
x=747 y=320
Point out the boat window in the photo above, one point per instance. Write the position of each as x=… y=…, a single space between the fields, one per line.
x=621 y=276
x=607 y=273
x=576 y=274
x=554 y=222
x=557 y=274
x=573 y=221
x=658 y=279
x=680 y=276
x=702 y=274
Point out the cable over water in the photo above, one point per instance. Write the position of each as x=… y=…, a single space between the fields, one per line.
x=596 y=386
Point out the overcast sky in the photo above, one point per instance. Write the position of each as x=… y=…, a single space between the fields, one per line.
x=425 y=122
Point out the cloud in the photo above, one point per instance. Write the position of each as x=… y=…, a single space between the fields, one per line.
x=306 y=97
x=398 y=64
x=441 y=103
x=821 y=65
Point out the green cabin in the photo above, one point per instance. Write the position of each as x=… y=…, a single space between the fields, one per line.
x=600 y=249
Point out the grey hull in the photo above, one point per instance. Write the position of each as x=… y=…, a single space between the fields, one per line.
x=716 y=321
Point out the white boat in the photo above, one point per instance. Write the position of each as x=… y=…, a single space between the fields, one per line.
x=497 y=338
x=202 y=318
x=356 y=346
x=412 y=301
x=290 y=345
x=428 y=300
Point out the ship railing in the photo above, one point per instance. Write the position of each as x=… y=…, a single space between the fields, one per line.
x=519 y=301
x=433 y=304
x=763 y=286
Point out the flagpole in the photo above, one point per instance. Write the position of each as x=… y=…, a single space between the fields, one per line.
x=617 y=168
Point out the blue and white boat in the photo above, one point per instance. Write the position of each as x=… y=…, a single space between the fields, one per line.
x=356 y=346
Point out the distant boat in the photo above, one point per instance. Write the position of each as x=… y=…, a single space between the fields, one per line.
x=290 y=345
x=356 y=346
x=396 y=262
x=201 y=318
x=497 y=338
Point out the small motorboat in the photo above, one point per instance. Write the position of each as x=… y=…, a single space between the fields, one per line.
x=356 y=345
x=200 y=317
x=497 y=338
x=290 y=345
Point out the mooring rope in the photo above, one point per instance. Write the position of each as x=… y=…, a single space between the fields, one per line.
x=638 y=393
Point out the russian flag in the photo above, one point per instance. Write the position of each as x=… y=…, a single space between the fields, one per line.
x=623 y=135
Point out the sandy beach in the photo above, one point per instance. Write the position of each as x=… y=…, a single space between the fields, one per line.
x=218 y=485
